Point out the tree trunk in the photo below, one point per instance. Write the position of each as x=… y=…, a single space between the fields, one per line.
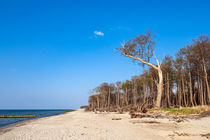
x=183 y=89
x=160 y=74
x=168 y=88
x=118 y=97
x=204 y=94
x=109 y=99
x=126 y=96
x=98 y=102
x=159 y=87
x=143 y=92
x=191 y=94
x=206 y=80
x=180 y=93
x=135 y=94
x=152 y=92
x=200 y=89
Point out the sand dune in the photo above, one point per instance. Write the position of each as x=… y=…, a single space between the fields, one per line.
x=90 y=126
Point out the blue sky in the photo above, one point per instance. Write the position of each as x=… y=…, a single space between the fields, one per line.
x=52 y=53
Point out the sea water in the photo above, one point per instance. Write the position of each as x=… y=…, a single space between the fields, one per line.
x=38 y=114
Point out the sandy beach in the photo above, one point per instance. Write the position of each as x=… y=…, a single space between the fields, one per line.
x=101 y=126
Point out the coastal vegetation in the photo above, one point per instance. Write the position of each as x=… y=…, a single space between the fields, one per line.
x=179 y=81
x=181 y=111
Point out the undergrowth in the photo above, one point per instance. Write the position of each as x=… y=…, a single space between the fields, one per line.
x=181 y=111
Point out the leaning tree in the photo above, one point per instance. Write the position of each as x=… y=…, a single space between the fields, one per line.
x=141 y=49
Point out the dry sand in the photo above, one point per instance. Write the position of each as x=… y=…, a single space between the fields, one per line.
x=80 y=125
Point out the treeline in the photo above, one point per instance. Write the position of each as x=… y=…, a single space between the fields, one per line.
x=185 y=79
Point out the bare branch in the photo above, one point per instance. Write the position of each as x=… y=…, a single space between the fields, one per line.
x=157 y=61
x=136 y=58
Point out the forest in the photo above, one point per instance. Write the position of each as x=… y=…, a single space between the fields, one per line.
x=173 y=82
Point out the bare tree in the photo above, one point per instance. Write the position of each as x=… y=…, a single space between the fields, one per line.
x=141 y=49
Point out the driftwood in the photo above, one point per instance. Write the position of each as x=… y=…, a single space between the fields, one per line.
x=120 y=111
x=143 y=121
x=177 y=119
x=142 y=115
x=116 y=119
x=207 y=135
x=205 y=114
x=184 y=134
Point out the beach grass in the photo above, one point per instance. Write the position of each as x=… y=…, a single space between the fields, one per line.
x=182 y=111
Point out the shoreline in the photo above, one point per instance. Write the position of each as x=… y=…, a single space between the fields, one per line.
x=29 y=119
x=18 y=124
x=10 y=127
x=89 y=125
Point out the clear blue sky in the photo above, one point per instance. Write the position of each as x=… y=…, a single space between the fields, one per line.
x=52 y=53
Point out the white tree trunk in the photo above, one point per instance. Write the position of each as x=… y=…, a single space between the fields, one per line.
x=160 y=74
x=159 y=88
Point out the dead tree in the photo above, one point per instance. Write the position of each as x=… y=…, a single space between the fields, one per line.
x=141 y=49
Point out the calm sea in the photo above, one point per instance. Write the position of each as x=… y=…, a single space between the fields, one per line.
x=38 y=113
